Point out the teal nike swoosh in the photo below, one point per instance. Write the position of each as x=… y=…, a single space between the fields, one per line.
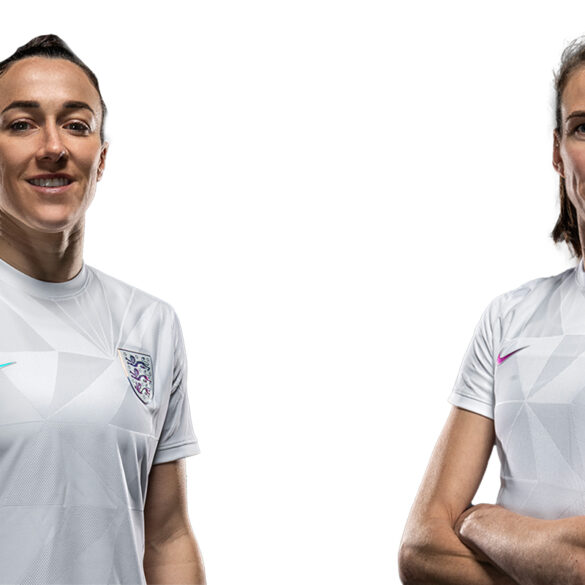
x=6 y=364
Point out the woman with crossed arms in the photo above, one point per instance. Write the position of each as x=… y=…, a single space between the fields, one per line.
x=521 y=386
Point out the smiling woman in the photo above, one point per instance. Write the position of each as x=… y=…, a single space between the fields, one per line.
x=51 y=154
x=95 y=409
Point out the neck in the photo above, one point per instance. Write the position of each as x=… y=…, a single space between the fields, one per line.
x=48 y=256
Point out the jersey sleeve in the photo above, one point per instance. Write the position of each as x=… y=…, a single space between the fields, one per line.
x=474 y=386
x=177 y=438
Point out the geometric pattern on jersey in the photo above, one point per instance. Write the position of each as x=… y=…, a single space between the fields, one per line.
x=536 y=395
x=77 y=442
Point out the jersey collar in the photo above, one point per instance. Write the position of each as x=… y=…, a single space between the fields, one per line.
x=40 y=288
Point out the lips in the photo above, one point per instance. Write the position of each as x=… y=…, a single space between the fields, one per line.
x=52 y=181
x=57 y=182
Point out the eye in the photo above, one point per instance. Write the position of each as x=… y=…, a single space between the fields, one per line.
x=78 y=127
x=580 y=129
x=20 y=126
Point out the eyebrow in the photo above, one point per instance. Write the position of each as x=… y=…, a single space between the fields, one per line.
x=78 y=106
x=26 y=105
x=576 y=114
x=23 y=105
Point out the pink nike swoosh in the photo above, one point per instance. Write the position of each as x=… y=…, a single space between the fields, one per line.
x=503 y=358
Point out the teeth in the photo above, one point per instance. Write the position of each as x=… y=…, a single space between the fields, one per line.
x=57 y=182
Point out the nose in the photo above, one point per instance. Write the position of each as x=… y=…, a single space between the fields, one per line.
x=51 y=148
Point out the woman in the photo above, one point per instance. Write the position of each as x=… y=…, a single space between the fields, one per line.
x=522 y=387
x=95 y=416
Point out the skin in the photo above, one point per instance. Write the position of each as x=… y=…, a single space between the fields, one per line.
x=171 y=552
x=522 y=550
x=431 y=550
x=530 y=550
x=41 y=232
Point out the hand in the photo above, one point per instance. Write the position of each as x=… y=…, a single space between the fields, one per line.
x=459 y=529
x=464 y=515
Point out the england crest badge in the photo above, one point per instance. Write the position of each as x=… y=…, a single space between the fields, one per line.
x=138 y=368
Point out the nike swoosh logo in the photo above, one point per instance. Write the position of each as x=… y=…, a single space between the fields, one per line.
x=6 y=364
x=503 y=358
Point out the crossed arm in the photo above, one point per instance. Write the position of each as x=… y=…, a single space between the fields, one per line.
x=531 y=551
x=446 y=543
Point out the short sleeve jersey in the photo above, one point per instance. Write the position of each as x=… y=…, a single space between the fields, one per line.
x=525 y=369
x=92 y=389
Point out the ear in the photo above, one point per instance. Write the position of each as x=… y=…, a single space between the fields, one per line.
x=102 y=163
x=557 y=159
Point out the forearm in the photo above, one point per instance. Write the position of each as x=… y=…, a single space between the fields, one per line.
x=174 y=562
x=433 y=554
x=532 y=551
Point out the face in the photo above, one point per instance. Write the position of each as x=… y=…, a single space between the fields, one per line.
x=51 y=155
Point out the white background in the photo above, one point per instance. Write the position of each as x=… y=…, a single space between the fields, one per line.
x=329 y=194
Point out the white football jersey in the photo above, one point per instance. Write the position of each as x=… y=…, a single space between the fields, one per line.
x=92 y=394
x=525 y=369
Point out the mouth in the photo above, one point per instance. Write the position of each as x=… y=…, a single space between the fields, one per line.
x=50 y=181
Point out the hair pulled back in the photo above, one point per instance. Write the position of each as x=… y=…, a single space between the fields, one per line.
x=53 y=47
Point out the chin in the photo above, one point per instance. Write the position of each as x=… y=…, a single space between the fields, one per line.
x=54 y=222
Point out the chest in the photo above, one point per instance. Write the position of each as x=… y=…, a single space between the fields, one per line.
x=541 y=370
x=97 y=359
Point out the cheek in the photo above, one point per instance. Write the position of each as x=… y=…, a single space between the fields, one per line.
x=14 y=162
x=573 y=157
x=11 y=162
x=89 y=161
x=574 y=172
x=9 y=174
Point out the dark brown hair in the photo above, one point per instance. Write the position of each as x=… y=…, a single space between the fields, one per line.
x=53 y=47
x=567 y=228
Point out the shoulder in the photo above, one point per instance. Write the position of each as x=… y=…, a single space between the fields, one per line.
x=119 y=293
x=541 y=293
